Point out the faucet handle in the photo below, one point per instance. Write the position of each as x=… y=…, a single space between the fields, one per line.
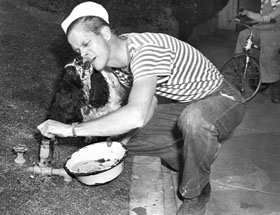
x=20 y=149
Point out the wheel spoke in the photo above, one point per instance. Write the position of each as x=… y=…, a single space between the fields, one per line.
x=247 y=81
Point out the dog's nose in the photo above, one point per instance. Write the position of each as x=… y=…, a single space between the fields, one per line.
x=86 y=65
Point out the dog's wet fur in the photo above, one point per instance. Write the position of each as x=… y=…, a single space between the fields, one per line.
x=70 y=96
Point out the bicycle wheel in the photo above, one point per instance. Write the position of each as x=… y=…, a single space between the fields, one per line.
x=246 y=77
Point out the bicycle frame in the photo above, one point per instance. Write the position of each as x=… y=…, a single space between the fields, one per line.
x=242 y=70
x=238 y=68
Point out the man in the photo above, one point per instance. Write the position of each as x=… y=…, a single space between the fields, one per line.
x=206 y=111
x=268 y=35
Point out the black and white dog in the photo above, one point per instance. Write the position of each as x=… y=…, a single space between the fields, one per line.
x=84 y=94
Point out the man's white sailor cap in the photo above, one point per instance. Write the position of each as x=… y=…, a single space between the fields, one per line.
x=85 y=9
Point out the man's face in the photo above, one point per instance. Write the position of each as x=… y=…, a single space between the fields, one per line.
x=93 y=48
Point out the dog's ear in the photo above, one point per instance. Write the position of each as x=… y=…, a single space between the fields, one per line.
x=66 y=106
x=99 y=92
x=70 y=69
x=68 y=99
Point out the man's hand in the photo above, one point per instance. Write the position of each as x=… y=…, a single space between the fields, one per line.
x=124 y=139
x=266 y=19
x=51 y=128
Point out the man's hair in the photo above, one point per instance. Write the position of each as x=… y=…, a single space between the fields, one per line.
x=92 y=23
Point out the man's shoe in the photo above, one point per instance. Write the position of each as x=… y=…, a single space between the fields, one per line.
x=275 y=92
x=275 y=96
x=275 y=99
x=197 y=205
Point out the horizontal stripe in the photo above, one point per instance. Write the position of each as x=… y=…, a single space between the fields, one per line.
x=184 y=73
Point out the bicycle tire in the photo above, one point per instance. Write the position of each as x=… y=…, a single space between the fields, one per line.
x=247 y=81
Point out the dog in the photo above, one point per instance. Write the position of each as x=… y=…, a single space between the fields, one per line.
x=83 y=93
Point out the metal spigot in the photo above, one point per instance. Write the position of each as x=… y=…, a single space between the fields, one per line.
x=46 y=151
x=20 y=149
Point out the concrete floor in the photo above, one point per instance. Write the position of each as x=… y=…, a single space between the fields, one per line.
x=246 y=174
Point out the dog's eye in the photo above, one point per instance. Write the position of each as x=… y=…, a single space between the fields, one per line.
x=78 y=60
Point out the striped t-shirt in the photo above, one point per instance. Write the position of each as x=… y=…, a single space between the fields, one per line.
x=183 y=73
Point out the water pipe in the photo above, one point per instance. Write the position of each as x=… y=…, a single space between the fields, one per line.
x=45 y=159
x=50 y=171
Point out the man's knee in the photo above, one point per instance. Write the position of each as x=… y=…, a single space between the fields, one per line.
x=242 y=37
x=191 y=121
x=244 y=34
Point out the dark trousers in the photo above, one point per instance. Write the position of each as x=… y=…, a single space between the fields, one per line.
x=187 y=136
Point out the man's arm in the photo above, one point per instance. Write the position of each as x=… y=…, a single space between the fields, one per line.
x=131 y=116
x=263 y=18
x=127 y=136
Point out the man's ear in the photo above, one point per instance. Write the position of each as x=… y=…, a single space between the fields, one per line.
x=106 y=33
